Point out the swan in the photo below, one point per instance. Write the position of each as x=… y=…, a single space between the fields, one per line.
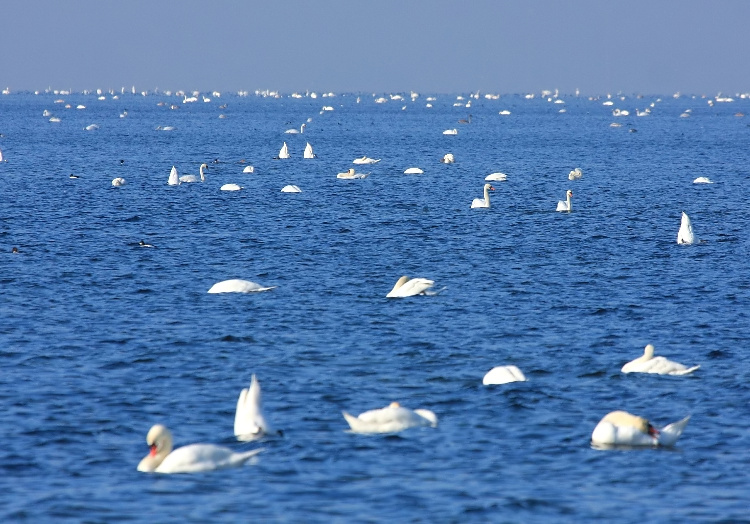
x=504 y=112
x=1 y=156
x=249 y=421
x=623 y=429
x=193 y=178
x=702 y=180
x=648 y=363
x=465 y=120
x=54 y=119
x=413 y=171
x=496 y=177
x=117 y=182
x=406 y=287
x=309 y=152
x=187 y=459
x=448 y=158
x=291 y=189
x=91 y=127
x=685 y=235
x=350 y=174
x=564 y=205
x=284 y=152
x=391 y=419
x=365 y=160
x=575 y=174
x=230 y=187
x=503 y=375
x=143 y=244
x=236 y=285
x=249 y=169
x=450 y=132
x=294 y=131
x=483 y=202
x=174 y=179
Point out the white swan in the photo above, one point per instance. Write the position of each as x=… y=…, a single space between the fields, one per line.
x=294 y=131
x=483 y=202
x=685 y=235
x=702 y=180
x=496 y=177
x=117 y=182
x=291 y=189
x=413 y=171
x=564 y=205
x=174 y=179
x=193 y=178
x=230 y=187
x=450 y=132
x=448 y=158
x=237 y=285
x=575 y=174
x=620 y=428
x=249 y=169
x=187 y=459
x=365 y=160
x=309 y=151
x=503 y=375
x=351 y=174
x=391 y=419
x=249 y=421
x=648 y=363
x=406 y=287
x=91 y=127
x=284 y=151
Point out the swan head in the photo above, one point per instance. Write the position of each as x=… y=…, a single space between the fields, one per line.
x=489 y=186
x=648 y=352
x=351 y=170
x=394 y=404
x=569 y=193
x=159 y=440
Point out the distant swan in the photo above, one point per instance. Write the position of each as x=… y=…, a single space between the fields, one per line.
x=193 y=178
x=249 y=421
x=291 y=189
x=685 y=235
x=702 y=180
x=575 y=174
x=564 y=205
x=230 y=187
x=391 y=419
x=351 y=174
x=284 y=152
x=365 y=160
x=117 y=182
x=465 y=120
x=503 y=375
x=413 y=171
x=174 y=179
x=406 y=287
x=648 y=363
x=236 y=285
x=249 y=169
x=187 y=459
x=91 y=127
x=450 y=132
x=309 y=151
x=294 y=131
x=483 y=202
x=448 y=158
x=496 y=177
x=620 y=428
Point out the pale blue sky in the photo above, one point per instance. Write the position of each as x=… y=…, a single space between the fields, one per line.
x=598 y=46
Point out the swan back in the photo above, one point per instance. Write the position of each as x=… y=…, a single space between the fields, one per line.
x=390 y=419
x=406 y=287
x=237 y=285
x=648 y=363
x=117 y=182
x=503 y=375
x=685 y=235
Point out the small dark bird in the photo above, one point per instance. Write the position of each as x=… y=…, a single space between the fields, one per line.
x=143 y=244
x=73 y=176
x=122 y=162
x=14 y=250
x=465 y=120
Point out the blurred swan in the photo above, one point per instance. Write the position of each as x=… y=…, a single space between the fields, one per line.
x=575 y=174
x=174 y=179
x=483 y=202
x=117 y=182
x=249 y=421
x=284 y=152
x=450 y=132
x=294 y=131
x=702 y=180
x=620 y=428
x=685 y=235
x=193 y=178
x=249 y=169
x=91 y=127
x=648 y=363
x=309 y=151
x=291 y=189
x=187 y=459
x=54 y=119
x=448 y=158
x=406 y=287
x=230 y=187
x=496 y=177
x=413 y=171
x=365 y=160
x=351 y=174
x=503 y=375
x=391 y=419
x=237 y=285
x=565 y=205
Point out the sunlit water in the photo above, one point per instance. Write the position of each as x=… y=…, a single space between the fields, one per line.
x=100 y=338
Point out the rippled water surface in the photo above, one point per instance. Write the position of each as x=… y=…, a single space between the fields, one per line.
x=100 y=339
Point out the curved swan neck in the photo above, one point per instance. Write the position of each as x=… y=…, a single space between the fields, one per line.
x=648 y=352
x=203 y=177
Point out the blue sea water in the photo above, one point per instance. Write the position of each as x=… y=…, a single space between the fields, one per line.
x=100 y=339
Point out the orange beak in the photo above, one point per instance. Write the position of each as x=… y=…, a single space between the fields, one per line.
x=153 y=450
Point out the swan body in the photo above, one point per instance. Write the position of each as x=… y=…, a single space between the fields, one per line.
x=351 y=174
x=685 y=235
x=237 y=285
x=450 y=132
x=117 y=182
x=483 y=202
x=187 y=459
x=291 y=189
x=496 y=177
x=230 y=187
x=284 y=151
x=54 y=119
x=620 y=428
x=365 y=160
x=648 y=363
x=413 y=171
x=193 y=178
x=391 y=419
x=406 y=287
x=295 y=132
x=575 y=174
x=702 y=180
x=249 y=169
x=143 y=244
x=249 y=421
x=174 y=179
x=503 y=375
x=564 y=205
x=91 y=127
x=309 y=151
x=448 y=158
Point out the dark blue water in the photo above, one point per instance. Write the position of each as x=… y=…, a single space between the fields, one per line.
x=100 y=339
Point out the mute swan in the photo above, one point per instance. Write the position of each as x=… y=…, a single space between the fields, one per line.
x=483 y=202
x=249 y=169
x=503 y=375
x=413 y=171
x=193 y=178
x=575 y=174
x=294 y=131
x=91 y=127
x=450 y=132
x=623 y=429
x=236 y=285
x=309 y=152
x=406 y=287
x=685 y=235
x=174 y=179
x=565 y=205
x=117 y=182
x=702 y=180
x=365 y=160
x=187 y=459
x=249 y=421
x=284 y=152
x=291 y=189
x=351 y=174
x=448 y=158
x=230 y=187
x=54 y=119
x=648 y=363
x=391 y=419
x=496 y=177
